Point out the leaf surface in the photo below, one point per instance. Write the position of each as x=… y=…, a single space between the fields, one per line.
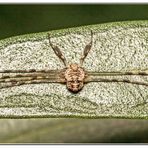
x=121 y=46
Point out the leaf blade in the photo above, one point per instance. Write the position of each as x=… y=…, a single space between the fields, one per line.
x=116 y=47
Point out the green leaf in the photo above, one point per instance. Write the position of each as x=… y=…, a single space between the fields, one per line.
x=118 y=46
x=72 y=130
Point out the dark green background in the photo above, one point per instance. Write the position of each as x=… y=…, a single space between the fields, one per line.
x=22 y=19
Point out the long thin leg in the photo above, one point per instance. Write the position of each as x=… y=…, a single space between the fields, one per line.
x=17 y=79
x=28 y=76
x=114 y=80
x=142 y=73
x=57 y=51
x=31 y=78
x=28 y=71
x=86 y=50
x=12 y=84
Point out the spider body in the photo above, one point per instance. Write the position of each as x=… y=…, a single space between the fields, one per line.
x=74 y=76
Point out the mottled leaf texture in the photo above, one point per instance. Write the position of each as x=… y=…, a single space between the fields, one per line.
x=118 y=47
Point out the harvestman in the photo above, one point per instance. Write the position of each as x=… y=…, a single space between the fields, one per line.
x=73 y=75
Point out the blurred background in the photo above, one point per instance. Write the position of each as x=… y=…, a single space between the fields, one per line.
x=23 y=19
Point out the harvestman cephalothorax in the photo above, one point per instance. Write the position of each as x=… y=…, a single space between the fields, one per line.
x=73 y=75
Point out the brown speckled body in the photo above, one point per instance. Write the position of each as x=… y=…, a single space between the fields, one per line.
x=74 y=76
